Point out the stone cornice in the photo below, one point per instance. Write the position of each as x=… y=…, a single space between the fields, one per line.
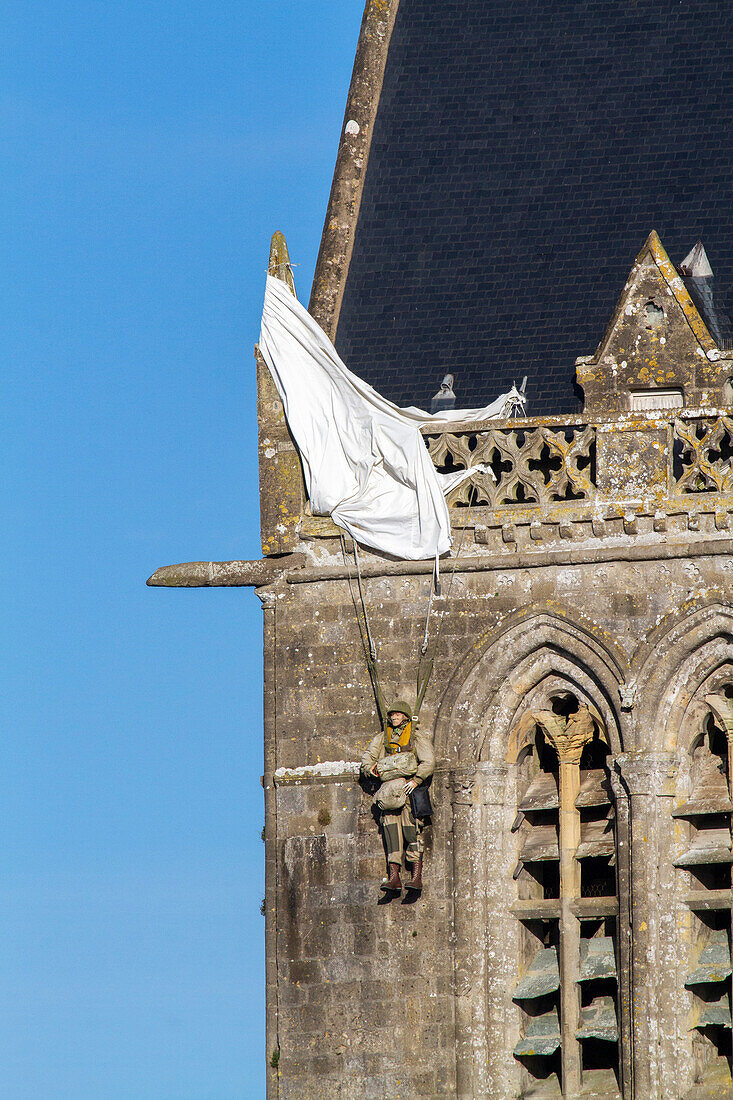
x=292 y=567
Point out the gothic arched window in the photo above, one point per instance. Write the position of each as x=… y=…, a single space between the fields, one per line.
x=705 y=864
x=567 y=901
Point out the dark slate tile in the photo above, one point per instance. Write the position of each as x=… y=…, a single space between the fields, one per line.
x=521 y=155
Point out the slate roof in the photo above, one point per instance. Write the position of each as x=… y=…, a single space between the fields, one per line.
x=521 y=154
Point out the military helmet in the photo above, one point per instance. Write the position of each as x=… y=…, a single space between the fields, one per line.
x=401 y=706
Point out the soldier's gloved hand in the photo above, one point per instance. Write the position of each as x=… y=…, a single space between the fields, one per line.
x=411 y=785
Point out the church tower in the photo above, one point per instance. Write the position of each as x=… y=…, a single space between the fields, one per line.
x=518 y=193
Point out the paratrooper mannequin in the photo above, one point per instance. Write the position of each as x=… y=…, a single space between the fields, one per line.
x=402 y=758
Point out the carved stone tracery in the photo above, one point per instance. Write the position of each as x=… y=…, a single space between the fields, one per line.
x=703 y=455
x=535 y=465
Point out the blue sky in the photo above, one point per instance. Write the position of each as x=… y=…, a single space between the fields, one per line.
x=149 y=151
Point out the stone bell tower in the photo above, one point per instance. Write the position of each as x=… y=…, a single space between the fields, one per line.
x=500 y=166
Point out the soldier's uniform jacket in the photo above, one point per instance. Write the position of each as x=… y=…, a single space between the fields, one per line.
x=402 y=739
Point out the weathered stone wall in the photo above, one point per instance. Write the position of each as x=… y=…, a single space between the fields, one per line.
x=364 y=990
x=592 y=562
x=326 y=709
x=416 y=1000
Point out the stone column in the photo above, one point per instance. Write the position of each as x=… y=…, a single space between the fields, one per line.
x=623 y=928
x=649 y=778
x=569 y=924
x=498 y=934
x=268 y=600
x=468 y=955
x=569 y=744
x=568 y=735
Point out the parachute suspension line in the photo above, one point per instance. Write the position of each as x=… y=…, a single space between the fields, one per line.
x=353 y=597
x=370 y=652
x=425 y=664
x=372 y=647
x=434 y=588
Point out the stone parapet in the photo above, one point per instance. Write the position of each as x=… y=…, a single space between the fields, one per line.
x=548 y=479
x=530 y=465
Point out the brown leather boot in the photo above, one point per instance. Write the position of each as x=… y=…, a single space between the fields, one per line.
x=393 y=881
x=415 y=882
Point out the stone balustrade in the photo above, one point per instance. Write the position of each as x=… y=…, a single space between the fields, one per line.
x=674 y=456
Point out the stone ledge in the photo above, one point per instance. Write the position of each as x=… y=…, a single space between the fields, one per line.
x=339 y=771
x=332 y=771
x=293 y=569
x=224 y=574
x=622 y=550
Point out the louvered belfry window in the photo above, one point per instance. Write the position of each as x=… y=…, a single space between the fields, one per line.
x=704 y=862
x=567 y=903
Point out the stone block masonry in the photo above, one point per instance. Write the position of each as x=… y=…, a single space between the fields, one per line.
x=570 y=902
x=573 y=936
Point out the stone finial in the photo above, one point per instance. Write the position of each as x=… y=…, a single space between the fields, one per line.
x=657 y=351
x=282 y=492
x=279 y=266
x=445 y=398
x=461 y=781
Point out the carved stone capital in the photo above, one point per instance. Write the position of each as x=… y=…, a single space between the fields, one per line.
x=648 y=773
x=627 y=695
x=267 y=595
x=569 y=736
x=490 y=783
x=461 y=783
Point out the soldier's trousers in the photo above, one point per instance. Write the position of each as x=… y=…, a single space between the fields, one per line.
x=402 y=836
